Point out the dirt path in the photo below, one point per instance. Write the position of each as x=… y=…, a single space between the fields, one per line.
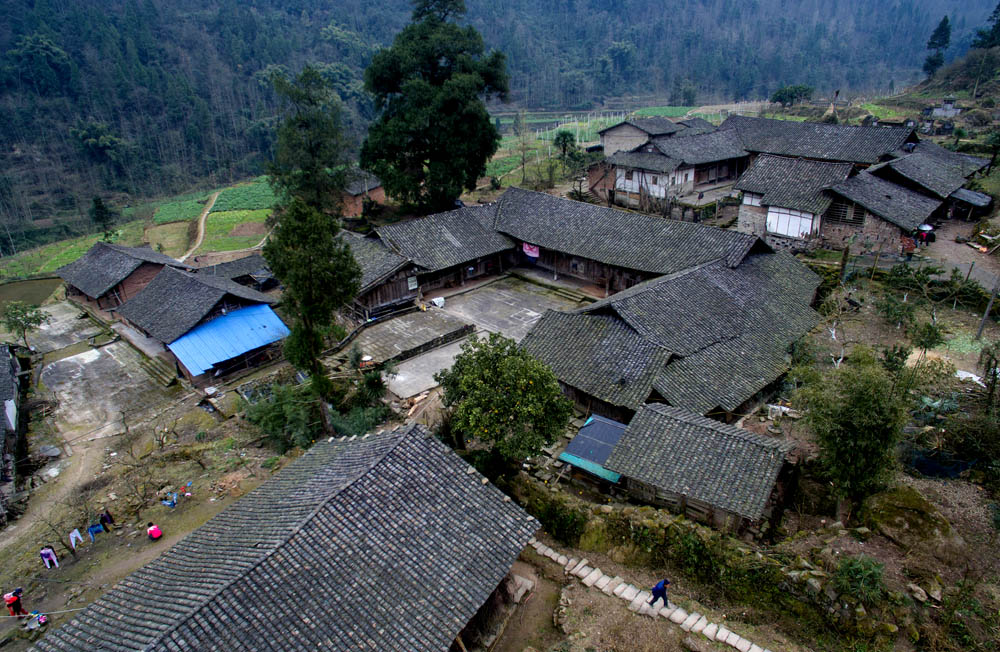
x=984 y=268
x=201 y=226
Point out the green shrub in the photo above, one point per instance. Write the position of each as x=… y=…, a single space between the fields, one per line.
x=860 y=577
x=271 y=462
x=289 y=417
x=359 y=420
x=565 y=524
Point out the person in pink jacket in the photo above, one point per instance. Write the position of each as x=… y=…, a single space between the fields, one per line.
x=154 y=532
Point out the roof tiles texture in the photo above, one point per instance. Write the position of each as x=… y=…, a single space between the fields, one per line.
x=793 y=183
x=174 y=302
x=704 y=338
x=681 y=452
x=701 y=148
x=106 y=265
x=854 y=144
x=937 y=169
x=900 y=206
x=245 y=266
x=384 y=543
x=375 y=259
x=444 y=240
x=654 y=125
x=614 y=237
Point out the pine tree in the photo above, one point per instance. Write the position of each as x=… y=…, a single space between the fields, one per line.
x=433 y=135
x=939 y=41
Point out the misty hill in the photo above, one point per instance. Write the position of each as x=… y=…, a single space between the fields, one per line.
x=152 y=96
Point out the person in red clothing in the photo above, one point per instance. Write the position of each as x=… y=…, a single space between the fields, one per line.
x=154 y=532
x=13 y=602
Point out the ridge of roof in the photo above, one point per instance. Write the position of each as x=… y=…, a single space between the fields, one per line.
x=105 y=265
x=397 y=436
x=793 y=182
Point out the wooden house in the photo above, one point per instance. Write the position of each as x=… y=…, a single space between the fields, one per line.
x=110 y=274
x=666 y=169
x=388 y=280
x=629 y=134
x=799 y=204
x=304 y=562
x=205 y=325
x=251 y=271
x=712 y=337
x=708 y=471
x=450 y=248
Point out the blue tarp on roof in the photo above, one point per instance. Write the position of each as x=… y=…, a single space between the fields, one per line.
x=592 y=446
x=227 y=337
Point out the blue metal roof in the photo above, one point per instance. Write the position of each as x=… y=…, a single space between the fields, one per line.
x=592 y=446
x=227 y=337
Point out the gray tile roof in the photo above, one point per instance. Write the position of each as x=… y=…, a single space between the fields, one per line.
x=8 y=377
x=614 y=237
x=729 y=331
x=654 y=162
x=696 y=125
x=900 y=206
x=248 y=265
x=599 y=354
x=375 y=259
x=654 y=126
x=383 y=543
x=935 y=168
x=360 y=181
x=829 y=142
x=681 y=452
x=446 y=239
x=106 y=265
x=174 y=302
x=794 y=183
x=701 y=148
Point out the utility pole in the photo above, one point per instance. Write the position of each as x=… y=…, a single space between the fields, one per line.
x=989 y=306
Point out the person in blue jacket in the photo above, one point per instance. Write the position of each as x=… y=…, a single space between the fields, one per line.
x=660 y=591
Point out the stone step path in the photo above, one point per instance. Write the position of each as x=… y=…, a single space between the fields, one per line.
x=638 y=600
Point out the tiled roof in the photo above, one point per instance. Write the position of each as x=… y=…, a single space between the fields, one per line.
x=701 y=148
x=390 y=542
x=829 y=142
x=174 y=302
x=793 y=183
x=696 y=125
x=598 y=354
x=935 y=168
x=106 y=265
x=360 y=181
x=446 y=239
x=8 y=378
x=730 y=331
x=655 y=162
x=681 y=452
x=375 y=259
x=614 y=237
x=654 y=126
x=246 y=266
x=900 y=206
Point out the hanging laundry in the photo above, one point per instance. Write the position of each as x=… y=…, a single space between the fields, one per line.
x=94 y=529
x=530 y=250
x=48 y=556
x=75 y=537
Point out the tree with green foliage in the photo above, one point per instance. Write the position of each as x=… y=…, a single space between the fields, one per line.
x=857 y=415
x=993 y=143
x=989 y=37
x=565 y=142
x=939 y=41
x=288 y=417
x=21 y=318
x=309 y=159
x=433 y=135
x=319 y=275
x=505 y=398
x=788 y=95
x=102 y=216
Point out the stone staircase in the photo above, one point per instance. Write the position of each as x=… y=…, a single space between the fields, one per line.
x=159 y=370
x=572 y=295
x=638 y=600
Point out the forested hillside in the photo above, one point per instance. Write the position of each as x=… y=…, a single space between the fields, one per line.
x=144 y=97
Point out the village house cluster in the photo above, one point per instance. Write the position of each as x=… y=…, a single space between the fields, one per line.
x=803 y=184
x=695 y=330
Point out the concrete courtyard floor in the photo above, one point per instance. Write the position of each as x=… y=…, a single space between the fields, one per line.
x=68 y=325
x=509 y=306
x=391 y=337
x=94 y=388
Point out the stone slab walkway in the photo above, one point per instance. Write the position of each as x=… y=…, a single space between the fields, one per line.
x=638 y=600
